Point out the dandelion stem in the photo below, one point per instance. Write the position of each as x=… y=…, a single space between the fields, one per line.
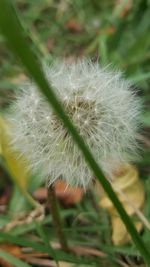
x=54 y=209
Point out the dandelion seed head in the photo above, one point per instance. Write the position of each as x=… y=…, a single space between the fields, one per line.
x=101 y=105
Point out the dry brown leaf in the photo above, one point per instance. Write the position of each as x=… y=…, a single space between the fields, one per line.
x=12 y=249
x=67 y=194
x=130 y=191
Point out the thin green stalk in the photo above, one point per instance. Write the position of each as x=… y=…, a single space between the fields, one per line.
x=16 y=39
x=54 y=209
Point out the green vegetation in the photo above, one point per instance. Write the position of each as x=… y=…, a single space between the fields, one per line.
x=106 y=32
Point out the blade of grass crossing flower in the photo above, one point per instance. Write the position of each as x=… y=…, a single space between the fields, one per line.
x=16 y=39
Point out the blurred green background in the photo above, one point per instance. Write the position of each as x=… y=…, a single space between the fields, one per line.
x=111 y=32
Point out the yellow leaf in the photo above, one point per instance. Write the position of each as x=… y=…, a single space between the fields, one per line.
x=130 y=191
x=16 y=165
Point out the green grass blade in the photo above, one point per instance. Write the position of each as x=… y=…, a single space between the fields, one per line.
x=26 y=242
x=13 y=260
x=44 y=237
x=138 y=49
x=16 y=39
x=21 y=241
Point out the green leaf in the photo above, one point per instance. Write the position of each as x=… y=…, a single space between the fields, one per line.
x=17 y=40
x=103 y=50
x=13 y=260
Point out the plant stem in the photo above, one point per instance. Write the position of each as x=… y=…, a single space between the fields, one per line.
x=54 y=209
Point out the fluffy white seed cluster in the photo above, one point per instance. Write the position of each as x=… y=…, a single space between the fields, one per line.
x=99 y=103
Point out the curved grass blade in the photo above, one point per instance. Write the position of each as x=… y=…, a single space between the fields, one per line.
x=16 y=38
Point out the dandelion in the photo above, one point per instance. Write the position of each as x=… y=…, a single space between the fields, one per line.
x=101 y=105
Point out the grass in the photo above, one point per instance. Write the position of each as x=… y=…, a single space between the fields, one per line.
x=102 y=32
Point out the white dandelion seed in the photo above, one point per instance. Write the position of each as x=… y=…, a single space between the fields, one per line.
x=101 y=105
